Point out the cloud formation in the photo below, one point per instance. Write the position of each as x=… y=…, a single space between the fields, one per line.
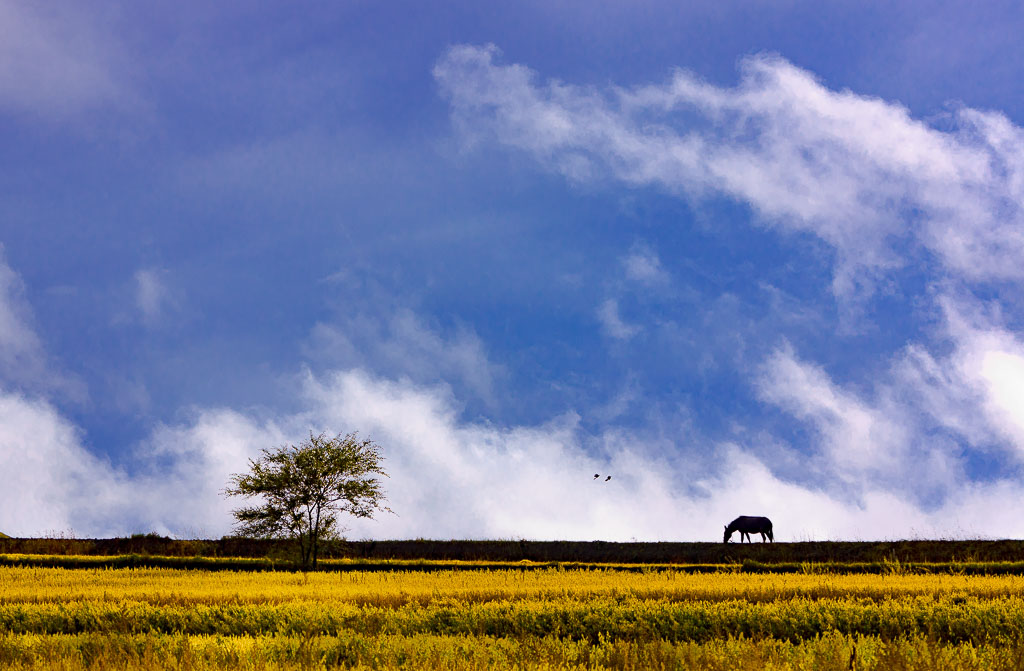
x=914 y=430
x=977 y=389
x=402 y=344
x=859 y=172
x=612 y=323
x=858 y=439
x=50 y=480
x=885 y=191
x=451 y=478
x=24 y=363
x=21 y=353
x=885 y=458
x=52 y=63
x=643 y=266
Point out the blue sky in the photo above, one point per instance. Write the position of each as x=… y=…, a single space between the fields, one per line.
x=747 y=260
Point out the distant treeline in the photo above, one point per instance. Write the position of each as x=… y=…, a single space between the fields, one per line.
x=905 y=551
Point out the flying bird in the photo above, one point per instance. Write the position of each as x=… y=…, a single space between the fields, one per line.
x=597 y=475
x=608 y=478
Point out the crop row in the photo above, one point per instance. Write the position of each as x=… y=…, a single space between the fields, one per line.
x=166 y=587
x=956 y=620
x=887 y=566
x=547 y=618
x=431 y=652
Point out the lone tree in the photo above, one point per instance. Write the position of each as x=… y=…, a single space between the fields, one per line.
x=305 y=487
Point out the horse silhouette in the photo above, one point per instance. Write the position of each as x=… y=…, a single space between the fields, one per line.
x=747 y=525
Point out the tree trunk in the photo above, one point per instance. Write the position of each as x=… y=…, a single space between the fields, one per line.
x=316 y=537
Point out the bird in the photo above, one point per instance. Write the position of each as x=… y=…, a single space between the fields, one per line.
x=608 y=478
x=597 y=475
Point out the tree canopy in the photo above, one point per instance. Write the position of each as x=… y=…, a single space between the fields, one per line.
x=305 y=487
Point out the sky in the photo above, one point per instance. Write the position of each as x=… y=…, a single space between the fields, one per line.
x=745 y=258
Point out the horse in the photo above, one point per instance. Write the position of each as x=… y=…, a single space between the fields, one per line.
x=747 y=525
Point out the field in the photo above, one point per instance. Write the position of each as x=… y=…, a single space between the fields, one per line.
x=477 y=615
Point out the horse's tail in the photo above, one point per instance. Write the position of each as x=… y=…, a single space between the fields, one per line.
x=771 y=536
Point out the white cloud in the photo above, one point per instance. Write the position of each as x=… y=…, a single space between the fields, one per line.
x=858 y=172
x=612 y=323
x=152 y=295
x=856 y=436
x=53 y=60
x=54 y=483
x=184 y=469
x=49 y=479
x=451 y=478
x=642 y=265
x=983 y=377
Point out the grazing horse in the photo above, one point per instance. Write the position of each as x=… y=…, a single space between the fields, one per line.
x=750 y=525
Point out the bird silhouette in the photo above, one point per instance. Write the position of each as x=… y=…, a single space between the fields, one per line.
x=597 y=475
x=608 y=478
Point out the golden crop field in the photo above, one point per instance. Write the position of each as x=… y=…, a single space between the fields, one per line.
x=506 y=618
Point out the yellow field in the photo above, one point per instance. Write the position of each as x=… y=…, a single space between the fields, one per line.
x=467 y=619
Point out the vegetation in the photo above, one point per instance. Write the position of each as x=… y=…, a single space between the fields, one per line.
x=884 y=567
x=303 y=488
x=430 y=652
x=776 y=556
x=504 y=617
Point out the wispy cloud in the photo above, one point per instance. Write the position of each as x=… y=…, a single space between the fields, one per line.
x=612 y=323
x=152 y=296
x=643 y=266
x=21 y=353
x=914 y=429
x=977 y=389
x=859 y=172
x=856 y=436
x=401 y=343
x=54 y=61
x=24 y=363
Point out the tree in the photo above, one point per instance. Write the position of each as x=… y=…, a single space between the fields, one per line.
x=305 y=487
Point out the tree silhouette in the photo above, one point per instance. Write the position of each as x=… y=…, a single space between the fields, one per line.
x=305 y=487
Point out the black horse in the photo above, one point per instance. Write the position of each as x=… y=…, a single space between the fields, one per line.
x=750 y=525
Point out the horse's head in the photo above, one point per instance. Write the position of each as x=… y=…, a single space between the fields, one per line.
x=727 y=536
